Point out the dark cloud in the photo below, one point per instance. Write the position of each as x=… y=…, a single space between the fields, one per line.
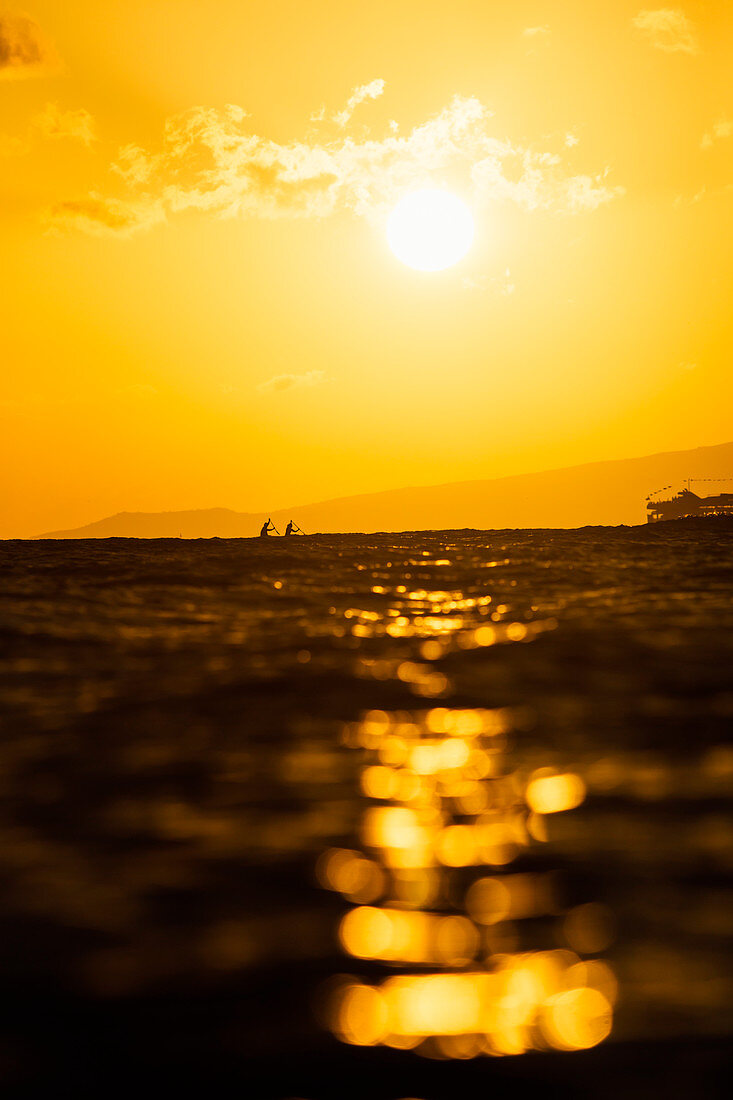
x=292 y=381
x=104 y=217
x=24 y=50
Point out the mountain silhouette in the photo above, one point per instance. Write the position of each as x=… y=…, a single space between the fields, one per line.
x=598 y=493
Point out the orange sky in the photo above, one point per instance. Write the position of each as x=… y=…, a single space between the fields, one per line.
x=199 y=304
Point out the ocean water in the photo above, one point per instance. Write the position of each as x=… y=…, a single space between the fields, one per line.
x=373 y=816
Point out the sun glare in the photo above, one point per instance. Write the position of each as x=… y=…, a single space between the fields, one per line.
x=430 y=229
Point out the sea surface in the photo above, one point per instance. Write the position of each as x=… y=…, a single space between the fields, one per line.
x=429 y=815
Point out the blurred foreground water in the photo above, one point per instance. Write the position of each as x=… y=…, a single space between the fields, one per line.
x=369 y=816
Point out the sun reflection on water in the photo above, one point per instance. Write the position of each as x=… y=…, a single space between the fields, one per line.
x=434 y=895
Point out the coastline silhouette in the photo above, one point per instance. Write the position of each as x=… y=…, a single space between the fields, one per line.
x=605 y=493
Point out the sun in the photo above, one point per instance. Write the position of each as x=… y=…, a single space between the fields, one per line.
x=430 y=229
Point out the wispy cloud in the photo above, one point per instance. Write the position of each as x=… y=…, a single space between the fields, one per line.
x=704 y=194
x=104 y=217
x=583 y=193
x=537 y=38
x=24 y=49
x=722 y=129
x=667 y=29
x=211 y=161
x=373 y=90
x=54 y=122
x=293 y=381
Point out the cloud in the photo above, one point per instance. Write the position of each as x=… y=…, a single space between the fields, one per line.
x=104 y=217
x=292 y=381
x=24 y=50
x=667 y=29
x=134 y=164
x=53 y=122
x=582 y=193
x=372 y=90
x=537 y=38
x=210 y=160
x=702 y=195
x=723 y=128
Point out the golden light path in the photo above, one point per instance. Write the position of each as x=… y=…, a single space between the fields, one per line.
x=430 y=229
x=493 y=960
x=479 y=994
x=490 y=959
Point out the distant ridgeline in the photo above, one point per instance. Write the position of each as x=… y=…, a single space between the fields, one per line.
x=600 y=493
